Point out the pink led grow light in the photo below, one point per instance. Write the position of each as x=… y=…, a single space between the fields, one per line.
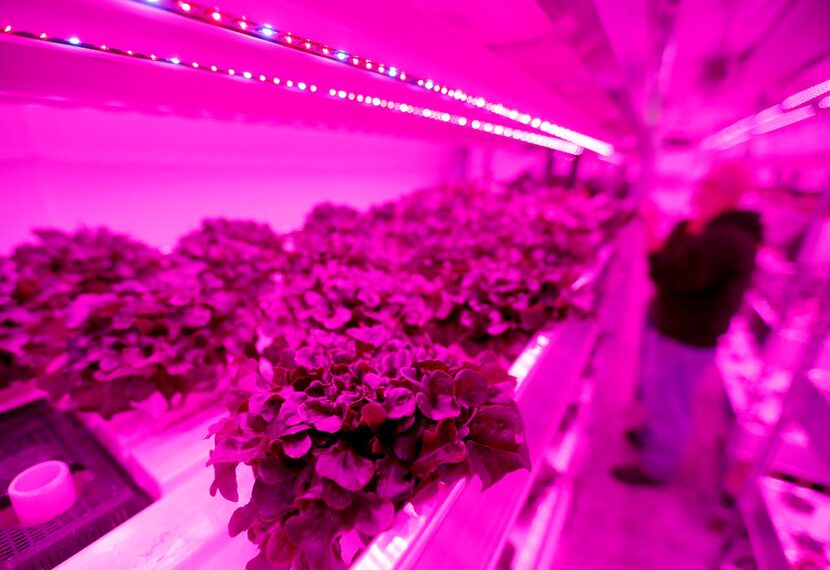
x=300 y=86
x=807 y=95
x=241 y=25
x=784 y=119
x=770 y=119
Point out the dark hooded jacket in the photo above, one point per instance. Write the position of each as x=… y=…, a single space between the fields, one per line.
x=701 y=278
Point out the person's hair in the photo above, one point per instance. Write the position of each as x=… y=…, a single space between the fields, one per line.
x=732 y=179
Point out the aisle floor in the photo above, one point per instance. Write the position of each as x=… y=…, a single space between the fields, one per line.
x=617 y=527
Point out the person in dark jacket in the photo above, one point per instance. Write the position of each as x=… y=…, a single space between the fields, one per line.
x=700 y=275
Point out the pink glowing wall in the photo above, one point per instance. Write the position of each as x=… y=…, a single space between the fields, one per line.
x=90 y=140
x=156 y=176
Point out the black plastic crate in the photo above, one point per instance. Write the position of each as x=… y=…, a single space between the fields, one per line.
x=34 y=433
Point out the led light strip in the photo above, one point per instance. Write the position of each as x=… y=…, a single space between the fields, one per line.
x=766 y=121
x=422 y=112
x=807 y=95
x=771 y=119
x=241 y=25
x=783 y=120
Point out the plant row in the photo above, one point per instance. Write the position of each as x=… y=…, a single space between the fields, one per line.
x=362 y=357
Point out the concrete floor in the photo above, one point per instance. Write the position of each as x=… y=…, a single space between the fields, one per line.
x=613 y=526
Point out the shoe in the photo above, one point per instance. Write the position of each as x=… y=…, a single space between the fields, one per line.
x=636 y=437
x=634 y=475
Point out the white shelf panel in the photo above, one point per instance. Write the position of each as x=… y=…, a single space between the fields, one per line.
x=784 y=536
x=816 y=415
x=185 y=529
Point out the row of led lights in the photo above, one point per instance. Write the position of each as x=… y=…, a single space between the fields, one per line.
x=426 y=113
x=791 y=110
x=599 y=147
x=250 y=28
x=74 y=41
x=267 y=31
x=766 y=121
x=475 y=124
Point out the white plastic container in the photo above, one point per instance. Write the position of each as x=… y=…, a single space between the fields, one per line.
x=42 y=492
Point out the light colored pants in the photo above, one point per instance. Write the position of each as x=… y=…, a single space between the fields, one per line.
x=670 y=370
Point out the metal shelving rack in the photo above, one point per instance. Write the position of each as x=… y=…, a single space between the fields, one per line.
x=755 y=394
x=781 y=399
x=784 y=536
x=816 y=412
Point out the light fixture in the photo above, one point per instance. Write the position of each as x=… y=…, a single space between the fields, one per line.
x=788 y=112
x=265 y=31
x=444 y=117
x=784 y=120
x=808 y=94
